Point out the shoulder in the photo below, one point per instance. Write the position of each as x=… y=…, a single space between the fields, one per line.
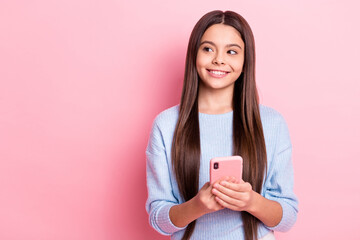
x=165 y=121
x=162 y=129
x=167 y=116
x=276 y=131
x=271 y=117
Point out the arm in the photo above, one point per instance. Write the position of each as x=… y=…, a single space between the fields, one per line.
x=279 y=184
x=160 y=193
x=239 y=196
x=166 y=215
x=279 y=187
x=204 y=202
x=267 y=211
x=278 y=208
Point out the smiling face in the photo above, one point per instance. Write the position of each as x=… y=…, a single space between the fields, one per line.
x=220 y=57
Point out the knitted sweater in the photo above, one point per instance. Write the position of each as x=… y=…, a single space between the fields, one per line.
x=216 y=141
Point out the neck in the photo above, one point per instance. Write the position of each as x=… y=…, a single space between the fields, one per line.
x=215 y=101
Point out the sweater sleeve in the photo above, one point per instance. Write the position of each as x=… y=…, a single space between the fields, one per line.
x=280 y=180
x=160 y=195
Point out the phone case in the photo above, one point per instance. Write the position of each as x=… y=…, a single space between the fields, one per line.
x=225 y=166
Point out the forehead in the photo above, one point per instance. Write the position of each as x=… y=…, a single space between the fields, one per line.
x=222 y=34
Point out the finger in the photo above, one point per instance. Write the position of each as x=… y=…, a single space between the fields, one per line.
x=240 y=187
x=222 y=189
x=218 y=205
x=232 y=179
x=241 y=196
x=225 y=204
x=224 y=178
x=229 y=179
x=231 y=199
x=205 y=186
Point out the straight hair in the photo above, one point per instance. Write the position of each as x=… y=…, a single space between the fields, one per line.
x=248 y=137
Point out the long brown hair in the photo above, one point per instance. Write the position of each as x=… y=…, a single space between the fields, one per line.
x=248 y=137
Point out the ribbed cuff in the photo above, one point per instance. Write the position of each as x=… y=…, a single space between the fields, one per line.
x=164 y=222
x=288 y=218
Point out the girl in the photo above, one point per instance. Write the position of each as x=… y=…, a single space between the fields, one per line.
x=220 y=115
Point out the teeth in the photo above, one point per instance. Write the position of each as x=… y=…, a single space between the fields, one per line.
x=218 y=72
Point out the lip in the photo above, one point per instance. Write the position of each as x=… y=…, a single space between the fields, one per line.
x=216 y=75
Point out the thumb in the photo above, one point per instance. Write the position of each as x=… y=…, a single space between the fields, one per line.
x=205 y=186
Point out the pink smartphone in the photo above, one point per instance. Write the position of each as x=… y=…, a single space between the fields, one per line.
x=225 y=166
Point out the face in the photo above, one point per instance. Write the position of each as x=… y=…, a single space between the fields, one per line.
x=220 y=57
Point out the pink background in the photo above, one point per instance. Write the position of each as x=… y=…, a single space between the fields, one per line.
x=81 y=82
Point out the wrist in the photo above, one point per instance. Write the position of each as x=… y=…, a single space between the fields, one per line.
x=254 y=203
x=197 y=206
x=182 y=214
x=267 y=211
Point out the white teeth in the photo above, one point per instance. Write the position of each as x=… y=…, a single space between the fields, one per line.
x=218 y=72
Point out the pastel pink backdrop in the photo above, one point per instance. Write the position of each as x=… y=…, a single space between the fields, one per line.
x=81 y=82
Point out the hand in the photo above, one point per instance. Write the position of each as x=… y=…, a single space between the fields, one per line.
x=205 y=200
x=233 y=194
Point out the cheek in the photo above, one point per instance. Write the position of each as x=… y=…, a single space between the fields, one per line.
x=197 y=67
x=239 y=65
x=200 y=64
x=202 y=60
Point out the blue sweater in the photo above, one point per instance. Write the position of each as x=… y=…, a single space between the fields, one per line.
x=216 y=141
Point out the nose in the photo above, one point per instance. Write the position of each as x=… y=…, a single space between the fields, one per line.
x=218 y=59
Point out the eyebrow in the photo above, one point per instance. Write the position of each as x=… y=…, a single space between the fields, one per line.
x=227 y=45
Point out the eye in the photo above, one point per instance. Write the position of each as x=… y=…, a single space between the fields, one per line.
x=232 y=52
x=207 y=49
